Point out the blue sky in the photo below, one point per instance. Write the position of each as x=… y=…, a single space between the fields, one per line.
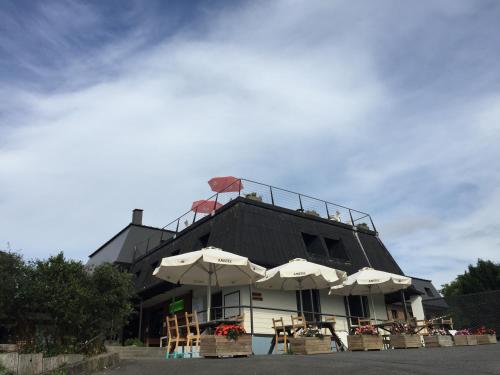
x=390 y=107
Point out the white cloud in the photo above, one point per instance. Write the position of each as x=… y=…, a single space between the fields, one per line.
x=291 y=95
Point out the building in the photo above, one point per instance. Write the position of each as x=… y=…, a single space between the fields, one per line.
x=270 y=226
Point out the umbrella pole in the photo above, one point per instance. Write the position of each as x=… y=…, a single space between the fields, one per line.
x=251 y=308
x=300 y=298
x=403 y=300
x=312 y=305
x=373 y=304
x=209 y=295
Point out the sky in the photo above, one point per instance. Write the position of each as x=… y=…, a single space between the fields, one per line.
x=389 y=107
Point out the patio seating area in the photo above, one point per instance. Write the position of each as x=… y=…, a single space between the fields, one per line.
x=193 y=334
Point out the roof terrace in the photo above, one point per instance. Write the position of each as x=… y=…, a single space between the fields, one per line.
x=263 y=193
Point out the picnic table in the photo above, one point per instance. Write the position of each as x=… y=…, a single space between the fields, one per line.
x=320 y=325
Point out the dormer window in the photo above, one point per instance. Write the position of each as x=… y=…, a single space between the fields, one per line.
x=313 y=245
x=336 y=249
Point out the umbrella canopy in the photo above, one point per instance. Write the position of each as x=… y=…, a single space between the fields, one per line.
x=205 y=206
x=225 y=184
x=211 y=267
x=299 y=274
x=367 y=280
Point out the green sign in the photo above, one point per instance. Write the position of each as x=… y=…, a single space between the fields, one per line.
x=176 y=306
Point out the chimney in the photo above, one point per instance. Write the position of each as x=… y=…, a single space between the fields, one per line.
x=137 y=216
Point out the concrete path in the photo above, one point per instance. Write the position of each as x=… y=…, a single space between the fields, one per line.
x=474 y=360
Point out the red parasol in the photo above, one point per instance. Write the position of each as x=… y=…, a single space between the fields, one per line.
x=225 y=184
x=205 y=206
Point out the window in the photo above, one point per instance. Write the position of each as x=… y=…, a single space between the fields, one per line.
x=394 y=314
x=216 y=310
x=336 y=249
x=428 y=291
x=232 y=300
x=138 y=273
x=358 y=308
x=313 y=245
x=311 y=303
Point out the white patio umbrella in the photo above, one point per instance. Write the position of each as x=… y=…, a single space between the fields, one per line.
x=299 y=274
x=368 y=281
x=211 y=267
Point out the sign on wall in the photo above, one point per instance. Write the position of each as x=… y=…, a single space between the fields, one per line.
x=176 y=306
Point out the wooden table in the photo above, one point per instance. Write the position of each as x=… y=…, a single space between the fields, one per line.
x=320 y=325
x=209 y=327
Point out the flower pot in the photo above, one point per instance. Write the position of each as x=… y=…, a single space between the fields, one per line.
x=462 y=340
x=220 y=346
x=365 y=342
x=406 y=341
x=486 y=339
x=438 y=341
x=310 y=345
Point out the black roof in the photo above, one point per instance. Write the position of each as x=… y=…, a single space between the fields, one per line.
x=128 y=243
x=268 y=235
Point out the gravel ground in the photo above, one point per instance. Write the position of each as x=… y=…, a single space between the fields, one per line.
x=484 y=359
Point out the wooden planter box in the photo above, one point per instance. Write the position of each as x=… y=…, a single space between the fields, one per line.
x=405 y=341
x=486 y=339
x=220 y=346
x=365 y=342
x=462 y=340
x=438 y=341
x=310 y=345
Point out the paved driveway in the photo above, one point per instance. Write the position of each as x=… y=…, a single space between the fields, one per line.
x=454 y=361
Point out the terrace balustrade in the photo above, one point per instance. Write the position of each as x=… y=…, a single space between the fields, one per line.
x=260 y=192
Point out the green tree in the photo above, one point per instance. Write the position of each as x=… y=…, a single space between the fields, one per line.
x=484 y=276
x=13 y=276
x=111 y=303
x=61 y=304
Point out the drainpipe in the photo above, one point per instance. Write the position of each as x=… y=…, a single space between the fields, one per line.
x=355 y=231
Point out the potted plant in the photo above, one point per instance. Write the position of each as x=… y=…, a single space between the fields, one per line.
x=403 y=336
x=253 y=196
x=485 y=336
x=464 y=337
x=363 y=226
x=365 y=338
x=229 y=340
x=437 y=338
x=312 y=213
x=310 y=341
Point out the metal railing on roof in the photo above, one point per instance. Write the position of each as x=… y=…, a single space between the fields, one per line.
x=257 y=191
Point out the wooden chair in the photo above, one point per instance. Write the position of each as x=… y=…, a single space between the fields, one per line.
x=298 y=322
x=162 y=338
x=421 y=326
x=329 y=319
x=447 y=323
x=174 y=336
x=280 y=334
x=193 y=330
